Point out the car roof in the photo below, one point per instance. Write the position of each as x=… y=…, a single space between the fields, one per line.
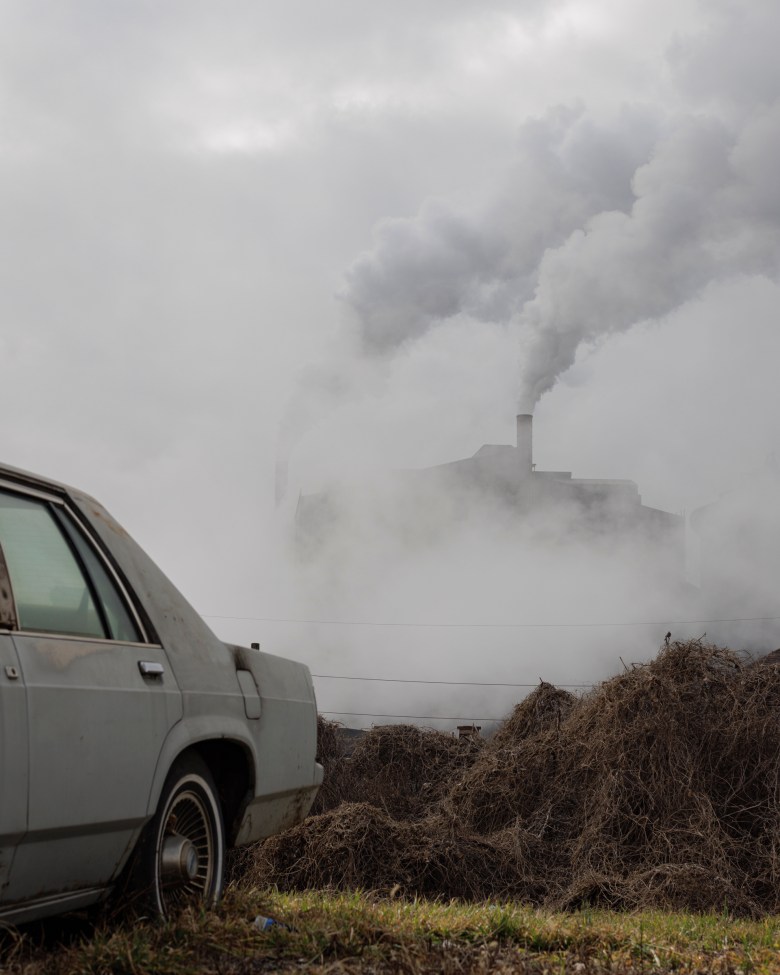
x=35 y=480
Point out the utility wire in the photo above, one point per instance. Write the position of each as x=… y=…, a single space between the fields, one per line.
x=277 y=619
x=459 y=683
x=419 y=717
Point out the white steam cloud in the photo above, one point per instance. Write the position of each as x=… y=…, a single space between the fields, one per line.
x=598 y=227
x=599 y=224
x=703 y=211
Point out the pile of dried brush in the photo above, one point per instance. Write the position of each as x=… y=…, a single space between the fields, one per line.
x=402 y=769
x=360 y=846
x=660 y=788
x=331 y=754
x=545 y=707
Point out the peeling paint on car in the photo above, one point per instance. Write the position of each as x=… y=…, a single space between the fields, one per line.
x=100 y=513
x=61 y=653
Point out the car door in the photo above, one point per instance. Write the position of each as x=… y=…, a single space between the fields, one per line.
x=13 y=738
x=100 y=700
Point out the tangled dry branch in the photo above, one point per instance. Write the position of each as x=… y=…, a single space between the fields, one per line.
x=661 y=787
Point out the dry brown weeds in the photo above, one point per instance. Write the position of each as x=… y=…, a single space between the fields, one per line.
x=402 y=769
x=330 y=754
x=660 y=788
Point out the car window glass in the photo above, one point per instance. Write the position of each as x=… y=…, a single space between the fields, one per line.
x=51 y=592
x=119 y=620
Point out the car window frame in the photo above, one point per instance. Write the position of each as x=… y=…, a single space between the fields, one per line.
x=59 y=509
x=8 y=616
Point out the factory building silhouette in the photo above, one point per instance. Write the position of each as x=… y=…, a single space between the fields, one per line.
x=500 y=482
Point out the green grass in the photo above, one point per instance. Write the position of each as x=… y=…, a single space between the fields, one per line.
x=362 y=933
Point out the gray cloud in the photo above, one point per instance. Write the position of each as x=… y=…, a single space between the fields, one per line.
x=731 y=60
x=183 y=186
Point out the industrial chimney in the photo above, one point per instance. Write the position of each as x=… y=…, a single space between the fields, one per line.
x=525 y=453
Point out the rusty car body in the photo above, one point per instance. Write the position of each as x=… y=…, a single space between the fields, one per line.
x=135 y=746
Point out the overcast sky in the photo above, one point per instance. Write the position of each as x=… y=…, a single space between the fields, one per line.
x=360 y=236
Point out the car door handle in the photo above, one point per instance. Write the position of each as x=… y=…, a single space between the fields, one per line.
x=150 y=668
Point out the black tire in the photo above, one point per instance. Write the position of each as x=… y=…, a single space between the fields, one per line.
x=181 y=856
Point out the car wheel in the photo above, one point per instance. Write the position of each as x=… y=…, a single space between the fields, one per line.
x=182 y=856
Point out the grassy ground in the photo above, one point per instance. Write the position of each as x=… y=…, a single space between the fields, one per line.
x=359 y=933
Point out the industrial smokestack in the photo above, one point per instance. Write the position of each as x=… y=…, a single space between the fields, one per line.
x=525 y=452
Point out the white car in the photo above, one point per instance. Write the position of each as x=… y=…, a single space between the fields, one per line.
x=135 y=746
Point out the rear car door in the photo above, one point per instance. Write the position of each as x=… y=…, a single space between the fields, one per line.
x=100 y=700
x=13 y=737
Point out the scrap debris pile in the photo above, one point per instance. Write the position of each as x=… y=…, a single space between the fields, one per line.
x=659 y=788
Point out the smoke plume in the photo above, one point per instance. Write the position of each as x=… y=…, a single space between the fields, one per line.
x=598 y=226
x=602 y=222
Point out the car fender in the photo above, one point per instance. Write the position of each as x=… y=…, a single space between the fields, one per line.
x=191 y=731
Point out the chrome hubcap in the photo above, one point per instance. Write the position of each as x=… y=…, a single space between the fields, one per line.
x=187 y=853
x=179 y=860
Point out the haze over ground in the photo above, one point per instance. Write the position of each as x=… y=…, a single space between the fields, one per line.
x=362 y=237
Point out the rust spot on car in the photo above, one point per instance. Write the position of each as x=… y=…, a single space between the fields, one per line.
x=60 y=654
x=102 y=515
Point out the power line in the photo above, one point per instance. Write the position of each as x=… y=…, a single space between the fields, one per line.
x=509 y=626
x=418 y=717
x=459 y=683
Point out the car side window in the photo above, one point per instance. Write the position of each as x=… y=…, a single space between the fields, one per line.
x=120 y=622
x=52 y=593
